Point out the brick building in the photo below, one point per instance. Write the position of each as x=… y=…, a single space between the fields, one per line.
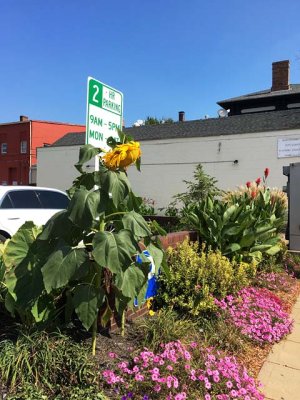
x=18 y=143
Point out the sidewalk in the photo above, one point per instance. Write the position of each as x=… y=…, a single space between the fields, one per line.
x=280 y=374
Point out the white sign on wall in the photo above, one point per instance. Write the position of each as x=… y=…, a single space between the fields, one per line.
x=104 y=113
x=289 y=147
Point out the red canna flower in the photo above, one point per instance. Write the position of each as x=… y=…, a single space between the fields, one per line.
x=248 y=184
x=253 y=194
x=258 y=180
x=267 y=171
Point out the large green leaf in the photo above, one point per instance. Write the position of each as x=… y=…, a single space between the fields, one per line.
x=229 y=212
x=117 y=184
x=87 y=301
x=114 y=250
x=273 y=250
x=23 y=256
x=232 y=248
x=21 y=245
x=61 y=266
x=247 y=240
x=86 y=153
x=60 y=227
x=136 y=224
x=84 y=207
x=131 y=281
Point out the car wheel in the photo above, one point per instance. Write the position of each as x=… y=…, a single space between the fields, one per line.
x=2 y=238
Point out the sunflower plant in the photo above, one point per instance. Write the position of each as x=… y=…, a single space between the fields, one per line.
x=85 y=256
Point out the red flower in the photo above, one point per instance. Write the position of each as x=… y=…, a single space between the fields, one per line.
x=267 y=171
x=258 y=180
x=253 y=194
x=248 y=184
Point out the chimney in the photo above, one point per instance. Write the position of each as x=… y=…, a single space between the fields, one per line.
x=181 y=116
x=23 y=118
x=280 y=75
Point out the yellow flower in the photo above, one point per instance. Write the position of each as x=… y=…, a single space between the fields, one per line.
x=122 y=155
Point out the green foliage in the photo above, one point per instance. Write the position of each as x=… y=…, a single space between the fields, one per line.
x=196 y=278
x=164 y=327
x=197 y=190
x=245 y=229
x=60 y=269
x=147 y=207
x=155 y=121
x=45 y=365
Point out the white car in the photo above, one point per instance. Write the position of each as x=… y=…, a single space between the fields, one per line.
x=19 y=204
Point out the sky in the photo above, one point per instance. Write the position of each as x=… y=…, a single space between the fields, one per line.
x=165 y=56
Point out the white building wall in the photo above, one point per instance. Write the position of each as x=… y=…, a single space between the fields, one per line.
x=56 y=166
x=166 y=163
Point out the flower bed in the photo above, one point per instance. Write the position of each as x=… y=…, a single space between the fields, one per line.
x=258 y=313
x=181 y=372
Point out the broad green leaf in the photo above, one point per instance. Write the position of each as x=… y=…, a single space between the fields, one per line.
x=136 y=224
x=232 y=231
x=229 y=212
x=273 y=250
x=87 y=301
x=84 y=207
x=106 y=316
x=117 y=184
x=61 y=266
x=114 y=250
x=247 y=240
x=10 y=304
x=25 y=282
x=157 y=254
x=20 y=244
x=131 y=281
x=42 y=308
x=86 y=153
x=24 y=255
x=260 y=247
x=232 y=248
x=60 y=227
x=121 y=301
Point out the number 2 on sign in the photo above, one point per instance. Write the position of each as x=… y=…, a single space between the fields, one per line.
x=96 y=93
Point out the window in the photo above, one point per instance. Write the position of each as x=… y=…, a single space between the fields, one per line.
x=3 y=148
x=6 y=202
x=23 y=146
x=52 y=200
x=24 y=199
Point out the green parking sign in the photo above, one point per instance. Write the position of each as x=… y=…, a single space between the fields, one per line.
x=104 y=113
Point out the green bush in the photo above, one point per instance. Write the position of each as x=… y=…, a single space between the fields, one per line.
x=197 y=277
x=247 y=229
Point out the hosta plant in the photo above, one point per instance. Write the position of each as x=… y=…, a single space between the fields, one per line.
x=84 y=259
x=244 y=228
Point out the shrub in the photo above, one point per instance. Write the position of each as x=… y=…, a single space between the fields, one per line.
x=258 y=313
x=196 y=277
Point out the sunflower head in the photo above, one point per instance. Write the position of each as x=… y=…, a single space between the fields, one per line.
x=122 y=155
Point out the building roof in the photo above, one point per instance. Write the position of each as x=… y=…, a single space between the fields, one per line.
x=263 y=94
x=232 y=125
